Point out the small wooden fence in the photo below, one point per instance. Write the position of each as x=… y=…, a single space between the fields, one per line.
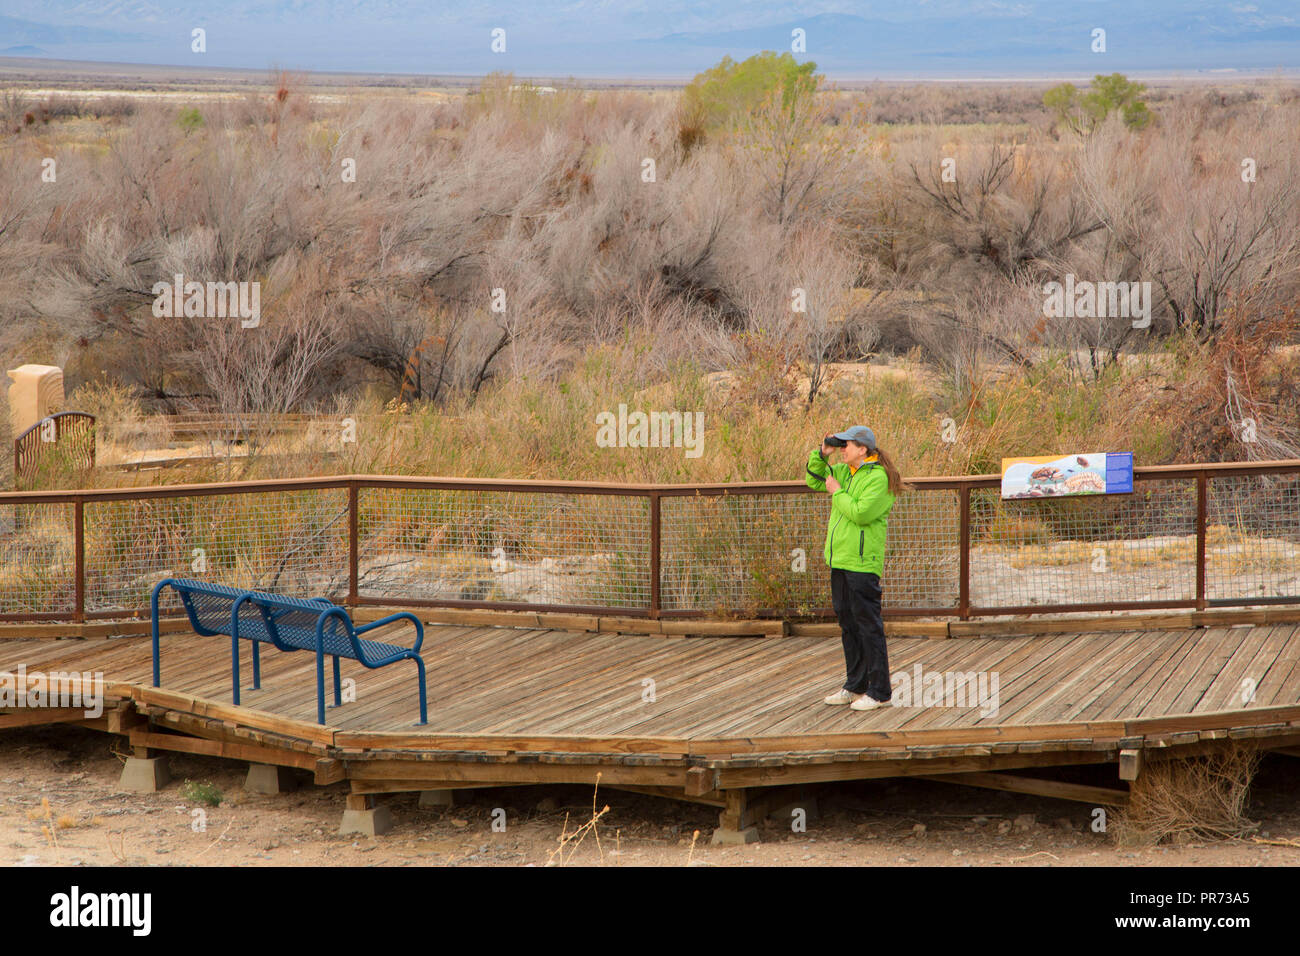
x=62 y=438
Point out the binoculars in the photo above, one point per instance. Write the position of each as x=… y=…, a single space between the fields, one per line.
x=834 y=442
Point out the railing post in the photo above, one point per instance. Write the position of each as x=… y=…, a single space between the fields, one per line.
x=1201 y=509
x=963 y=547
x=79 y=559
x=654 y=554
x=352 y=544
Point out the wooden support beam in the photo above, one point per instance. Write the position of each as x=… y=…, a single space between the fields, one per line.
x=1130 y=764
x=451 y=775
x=701 y=780
x=713 y=800
x=142 y=740
x=36 y=716
x=733 y=811
x=416 y=786
x=875 y=769
x=1036 y=786
x=360 y=801
x=759 y=804
x=328 y=770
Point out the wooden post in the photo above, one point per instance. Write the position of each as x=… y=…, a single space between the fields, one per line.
x=1201 y=508
x=79 y=559
x=352 y=544
x=963 y=547
x=654 y=555
x=733 y=817
x=1130 y=764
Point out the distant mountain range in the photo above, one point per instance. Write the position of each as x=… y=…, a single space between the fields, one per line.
x=667 y=38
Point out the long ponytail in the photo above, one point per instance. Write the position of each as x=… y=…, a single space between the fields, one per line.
x=896 y=483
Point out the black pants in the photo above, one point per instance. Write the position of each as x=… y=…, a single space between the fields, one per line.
x=856 y=598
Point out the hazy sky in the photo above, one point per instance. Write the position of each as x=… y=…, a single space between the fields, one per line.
x=667 y=37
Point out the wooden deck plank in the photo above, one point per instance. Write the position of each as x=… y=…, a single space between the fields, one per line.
x=932 y=655
x=1187 y=682
x=1012 y=660
x=1284 y=687
x=1031 y=684
x=748 y=693
x=449 y=669
x=794 y=690
x=1169 y=680
x=1167 y=649
x=1252 y=659
x=293 y=684
x=508 y=694
x=1104 y=667
x=591 y=682
x=621 y=709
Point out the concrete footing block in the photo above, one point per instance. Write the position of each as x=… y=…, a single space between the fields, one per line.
x=372 y=822
x=265 y=778
x=437 y=798
x=723 y=837
x=144 y=774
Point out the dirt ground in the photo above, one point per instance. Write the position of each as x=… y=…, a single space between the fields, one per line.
x=886 y=822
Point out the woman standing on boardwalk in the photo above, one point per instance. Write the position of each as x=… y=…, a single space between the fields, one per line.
x=862 y=489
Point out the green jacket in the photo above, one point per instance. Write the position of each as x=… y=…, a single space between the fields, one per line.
x=855 y=534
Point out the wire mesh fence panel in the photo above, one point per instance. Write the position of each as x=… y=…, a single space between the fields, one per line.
x=37 y=559
x=923 y=551
x=283 y=541
x=742 y=553
x=1086 y=549
x=760 y=553
x=1252 y=537
x=497 y=547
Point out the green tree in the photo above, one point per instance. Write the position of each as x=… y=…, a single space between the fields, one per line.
x=731 y=91
x=1083 y=112
x=190 y=119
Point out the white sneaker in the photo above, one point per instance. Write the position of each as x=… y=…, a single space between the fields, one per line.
x=866 y=702
x=841 y=696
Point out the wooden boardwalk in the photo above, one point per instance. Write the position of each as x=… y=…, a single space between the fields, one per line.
x=516 y=705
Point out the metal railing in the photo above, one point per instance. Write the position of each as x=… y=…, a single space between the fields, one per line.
x=1190 y=536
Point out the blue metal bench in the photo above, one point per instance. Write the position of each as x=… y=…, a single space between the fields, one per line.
x=290 y=624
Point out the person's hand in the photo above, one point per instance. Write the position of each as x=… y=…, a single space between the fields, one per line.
x=831 y=484
x=826 y=449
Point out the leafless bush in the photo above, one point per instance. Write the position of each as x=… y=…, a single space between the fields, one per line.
x=1204 y=797
x=1204 y=213
x=387 y=222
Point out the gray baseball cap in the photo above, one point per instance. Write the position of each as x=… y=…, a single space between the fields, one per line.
x=860 y=434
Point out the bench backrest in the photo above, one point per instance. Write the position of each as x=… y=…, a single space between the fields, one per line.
x=287 y=622
x=209 y=606
x=291 y=622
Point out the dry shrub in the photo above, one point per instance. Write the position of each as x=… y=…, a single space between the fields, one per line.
x=1198 y=797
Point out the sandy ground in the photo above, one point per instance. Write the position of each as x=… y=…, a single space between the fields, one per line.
x=900 y=822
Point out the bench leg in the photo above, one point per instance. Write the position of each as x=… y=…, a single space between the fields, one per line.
x=424 y=711
x=234 y=667
x=257 y=665
x=338 y=694
x=157 y=675
x=320 y=689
